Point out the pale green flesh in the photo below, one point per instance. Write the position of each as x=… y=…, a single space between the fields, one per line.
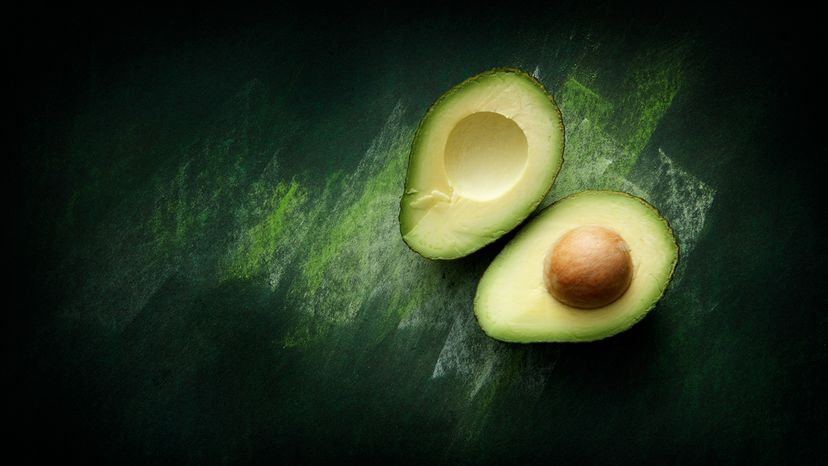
x=513 y=304
x=484 y=157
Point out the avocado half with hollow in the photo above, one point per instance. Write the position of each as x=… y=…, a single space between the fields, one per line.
x=585 y=268
x=484 y=156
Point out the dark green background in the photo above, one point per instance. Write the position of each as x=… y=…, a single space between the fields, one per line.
x=207 y=265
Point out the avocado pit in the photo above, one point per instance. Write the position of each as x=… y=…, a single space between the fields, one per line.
x=588 y=267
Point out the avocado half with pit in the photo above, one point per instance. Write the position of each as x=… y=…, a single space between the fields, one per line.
x=484 y=156
x=587 y=267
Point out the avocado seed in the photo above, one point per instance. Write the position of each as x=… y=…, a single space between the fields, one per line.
x=588 y=267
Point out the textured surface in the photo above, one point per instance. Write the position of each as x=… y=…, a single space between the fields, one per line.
x=211 y=268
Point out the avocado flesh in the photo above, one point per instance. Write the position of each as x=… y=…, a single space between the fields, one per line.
x=483 y=158
x=512 y=301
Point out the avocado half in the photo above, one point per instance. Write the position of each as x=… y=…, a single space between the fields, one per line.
x=513 y=301
x=484 y=156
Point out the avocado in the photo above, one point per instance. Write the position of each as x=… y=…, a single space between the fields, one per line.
x=484 y=156
x=585 y=268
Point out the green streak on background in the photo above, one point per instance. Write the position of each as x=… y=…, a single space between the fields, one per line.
x=605 y=136
x=258 y=244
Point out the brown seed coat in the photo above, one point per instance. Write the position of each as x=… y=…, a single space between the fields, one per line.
x=588 y=267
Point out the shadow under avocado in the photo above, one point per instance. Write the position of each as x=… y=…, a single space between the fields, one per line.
x=477 y=262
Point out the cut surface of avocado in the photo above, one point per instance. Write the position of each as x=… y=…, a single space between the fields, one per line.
x=515 y=300
x=484 y=156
